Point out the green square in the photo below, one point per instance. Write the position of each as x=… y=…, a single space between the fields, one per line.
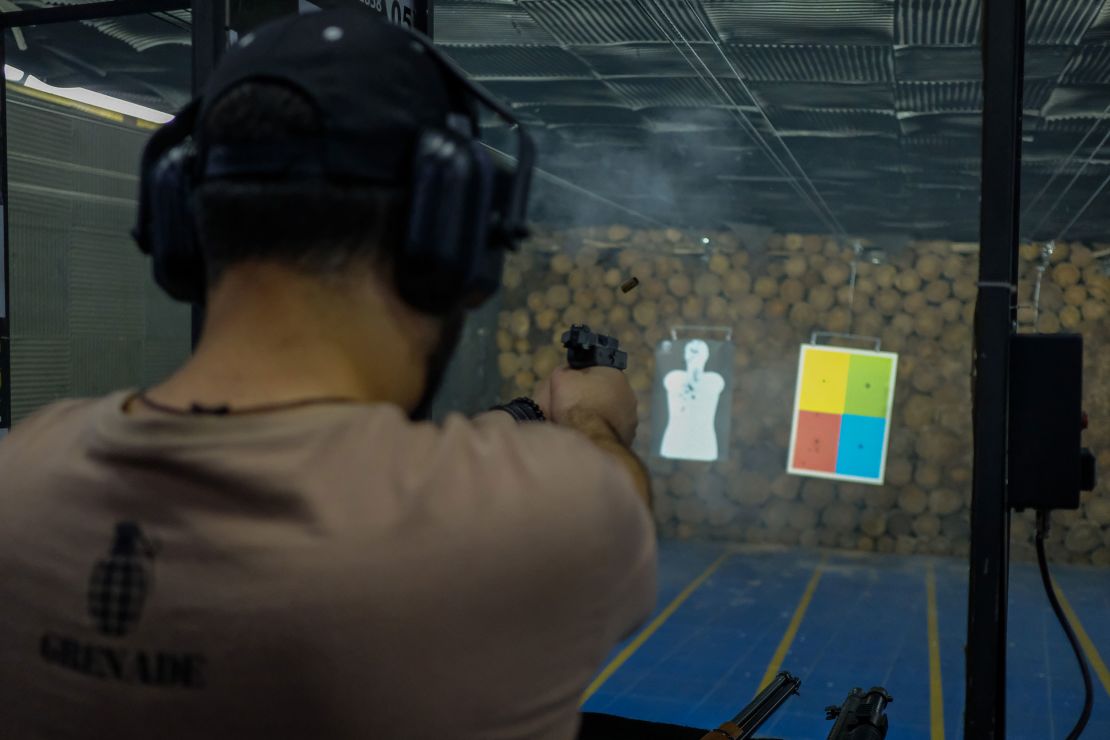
x=868 y=386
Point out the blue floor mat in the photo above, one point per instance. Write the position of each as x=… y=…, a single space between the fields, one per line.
x=865 y=625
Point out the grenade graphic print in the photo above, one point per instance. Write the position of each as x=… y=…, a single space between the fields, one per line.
x=119 y=583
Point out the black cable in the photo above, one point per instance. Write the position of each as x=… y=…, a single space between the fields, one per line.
x=1088 y=690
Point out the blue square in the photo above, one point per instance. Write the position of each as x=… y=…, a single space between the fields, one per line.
x=860 y=452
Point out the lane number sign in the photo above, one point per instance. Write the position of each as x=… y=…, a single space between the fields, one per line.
x=398 y=11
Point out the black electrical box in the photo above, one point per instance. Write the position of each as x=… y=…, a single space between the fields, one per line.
x=1047 y=465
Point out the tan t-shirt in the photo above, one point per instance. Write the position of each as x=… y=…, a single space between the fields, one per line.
x=327 y=571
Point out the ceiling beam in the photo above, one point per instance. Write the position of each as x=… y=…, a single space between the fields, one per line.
x=87 y=11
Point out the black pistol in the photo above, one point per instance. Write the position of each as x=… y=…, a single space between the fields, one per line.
x=766 y=702
x=586 y=349
x=861 y=717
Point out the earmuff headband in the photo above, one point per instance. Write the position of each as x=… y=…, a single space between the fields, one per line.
x=465 y=209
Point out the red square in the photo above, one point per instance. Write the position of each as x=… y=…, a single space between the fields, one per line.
x=816 y=438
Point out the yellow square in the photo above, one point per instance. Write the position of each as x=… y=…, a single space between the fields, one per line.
x=824 y=386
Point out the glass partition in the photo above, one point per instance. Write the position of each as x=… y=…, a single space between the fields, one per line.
x=82 y=99
x=794 y=187
x=1064 y=287
x=763 y=183
x=1065 y=259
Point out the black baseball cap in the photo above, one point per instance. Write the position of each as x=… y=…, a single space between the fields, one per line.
x=369 y=80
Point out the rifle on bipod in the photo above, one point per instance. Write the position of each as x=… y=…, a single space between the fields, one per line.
x=861 y=717
x=766 y=702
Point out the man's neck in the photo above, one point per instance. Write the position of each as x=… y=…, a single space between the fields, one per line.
x=272 y=336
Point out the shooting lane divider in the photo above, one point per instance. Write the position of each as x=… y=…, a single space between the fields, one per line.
x=1093 y=657
x=792 y=629
x=650 y=629
x=936 y=687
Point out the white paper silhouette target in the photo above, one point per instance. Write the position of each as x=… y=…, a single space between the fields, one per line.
x=692 y=399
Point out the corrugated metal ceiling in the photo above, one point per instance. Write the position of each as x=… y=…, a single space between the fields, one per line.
x=143 y=58
x=801 y=114
x=870 y=106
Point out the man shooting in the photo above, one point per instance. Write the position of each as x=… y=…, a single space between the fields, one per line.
x=269 y=543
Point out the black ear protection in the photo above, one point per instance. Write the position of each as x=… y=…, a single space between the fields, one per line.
x=165 y=228
x=465 y=207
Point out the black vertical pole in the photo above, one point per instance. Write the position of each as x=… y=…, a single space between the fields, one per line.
x=209 y=42
x=425 y=18
x=5 y=213
x=995 y=314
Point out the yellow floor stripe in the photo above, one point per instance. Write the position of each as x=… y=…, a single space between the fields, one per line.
x=936 y=687
x=648 y=631
x=792 y=629
x=1085 y=641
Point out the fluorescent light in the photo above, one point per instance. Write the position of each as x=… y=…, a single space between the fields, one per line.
x=12 y=74
x=84 y=95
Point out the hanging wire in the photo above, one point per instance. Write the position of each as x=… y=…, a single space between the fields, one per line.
x=715 y=88
x=857 y=250
x=710 y=81
x=1060 y=167
x=1083 y=209
x=1042 y=264
x=561 y=182
x=1064 y=191
x=766 y=119
x=568 y=185
x=571 y=186
x=823 y=210
x=818 y=205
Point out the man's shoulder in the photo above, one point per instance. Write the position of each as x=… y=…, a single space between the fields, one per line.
x=46 y=420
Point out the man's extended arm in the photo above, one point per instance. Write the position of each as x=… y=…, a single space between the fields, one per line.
x=598 y=431
x=602 y=434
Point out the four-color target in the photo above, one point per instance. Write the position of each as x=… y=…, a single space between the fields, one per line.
x=842 y=411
